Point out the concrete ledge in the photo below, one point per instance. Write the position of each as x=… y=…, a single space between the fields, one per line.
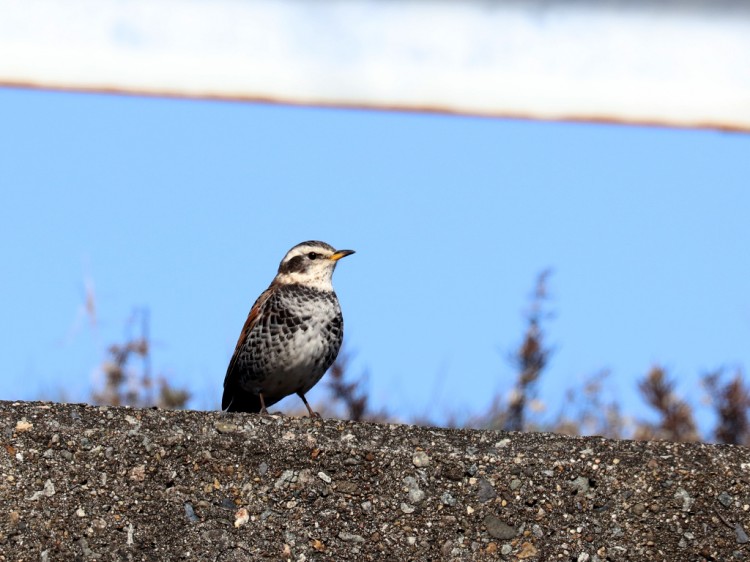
x=95 y=483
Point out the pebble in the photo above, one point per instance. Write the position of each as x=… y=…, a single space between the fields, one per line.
x=528 y=550
x=725 y=499
x=226 y=427
x=324 y=477
x=740 y=534
x=48 y=491
x=639 y=508
x=190 y=513
x=348 y=488
x=420 y=459
x=682 y=496
x=581 y=484
x=486 y=491
x=138 y=473
x=287 y=477
x=241 y=517
x=406 y=508
x=350 y=537
x=448 y=499
x=23 y=425
x=498 y=528
x=416 y=495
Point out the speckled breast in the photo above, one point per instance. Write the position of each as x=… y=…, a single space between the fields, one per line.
x=295 y=341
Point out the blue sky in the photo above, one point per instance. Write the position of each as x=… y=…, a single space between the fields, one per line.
x=187 y=207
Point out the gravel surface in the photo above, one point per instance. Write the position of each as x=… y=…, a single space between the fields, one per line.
x=95 y=483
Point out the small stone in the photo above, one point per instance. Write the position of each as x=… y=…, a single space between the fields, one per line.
x=367 y=506
x=350 y=537
x=581 y=485
x=502 y=443
x=287 y=478
x=241 y=517
x=498 y=528
x=226 y=427
x=725 y=499
x=48 y=491
x=80 y=512
x=528 y=550
x=190 y=513
x=683 y=497
x=639 y=508
x=410 y=482
x=740 y=534
x=23 y=425
x=583 y=557
x=324 y=477
x=515 y=484
x=406 y=508
x=420 y=459
x=262 y=468
x=486 y=491
x=416 y=495
x=138 y=473
x=506 y=549
x=411 y=540
x=448 y=499
x=347 y=488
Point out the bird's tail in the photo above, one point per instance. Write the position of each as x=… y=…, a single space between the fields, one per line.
x=237 y=399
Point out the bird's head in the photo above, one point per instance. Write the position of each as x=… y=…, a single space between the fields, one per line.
x=310 y=263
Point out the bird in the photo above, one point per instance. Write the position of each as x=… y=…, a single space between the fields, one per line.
x=292 y=334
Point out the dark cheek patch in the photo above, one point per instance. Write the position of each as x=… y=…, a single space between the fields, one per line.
x=295 y=265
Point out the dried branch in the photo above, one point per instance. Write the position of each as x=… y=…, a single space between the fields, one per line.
x=731 y=402
x=676 y=423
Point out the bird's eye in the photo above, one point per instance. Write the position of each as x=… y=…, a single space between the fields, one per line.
x=313 y=256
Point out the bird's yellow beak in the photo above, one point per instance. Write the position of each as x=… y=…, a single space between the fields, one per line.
x=341 y=254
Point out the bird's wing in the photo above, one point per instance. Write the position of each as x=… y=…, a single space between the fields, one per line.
x=231 y=380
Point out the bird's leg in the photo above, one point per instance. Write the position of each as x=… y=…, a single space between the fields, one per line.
x=309 y=409
x=262 y=404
